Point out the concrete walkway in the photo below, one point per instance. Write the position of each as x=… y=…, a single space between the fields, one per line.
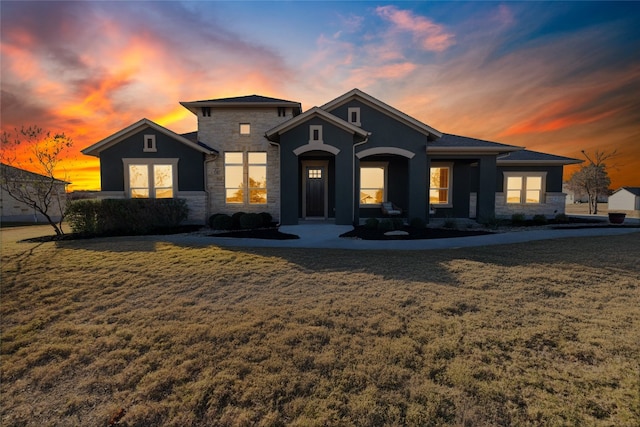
x=326 y=236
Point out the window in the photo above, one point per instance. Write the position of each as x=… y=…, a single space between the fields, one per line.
x=206 y=111
x=282 y=112
x=440 y=185
x=315 y=133
x=149 y=144
x=524 y=188
x=245 y=129
x=257 y=178
x=234 y=177
x=373 y=179
x=354 y=115
x=150 y=179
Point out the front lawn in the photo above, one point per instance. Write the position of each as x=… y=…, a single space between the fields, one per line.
x=138 y=331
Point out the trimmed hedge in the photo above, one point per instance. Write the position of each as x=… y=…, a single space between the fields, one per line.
x=126 y=216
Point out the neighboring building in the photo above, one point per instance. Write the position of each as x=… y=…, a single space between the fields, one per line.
x=336 y=162
x=34 y=186
x=625 y=199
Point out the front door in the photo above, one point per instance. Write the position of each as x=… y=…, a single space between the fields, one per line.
x=315 y=191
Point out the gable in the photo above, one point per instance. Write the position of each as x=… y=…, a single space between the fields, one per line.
x=355 y=97
x=140 y=127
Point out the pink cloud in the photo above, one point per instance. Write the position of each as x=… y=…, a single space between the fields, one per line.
x=429 y=35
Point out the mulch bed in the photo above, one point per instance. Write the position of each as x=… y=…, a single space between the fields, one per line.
x=366 y=233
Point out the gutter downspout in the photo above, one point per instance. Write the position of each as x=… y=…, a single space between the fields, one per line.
x=209 y=158
x=353 y=178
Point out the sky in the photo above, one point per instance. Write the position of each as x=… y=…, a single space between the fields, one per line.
x=557 y=77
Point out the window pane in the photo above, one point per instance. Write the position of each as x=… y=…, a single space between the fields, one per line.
x=533 y=196
x=140 y=193
x=163 y=176
x=232 y=158
x=534 y=183
x=245 y=128
x=372 y=177
x=235 y=196
x=514 y=183
x=258 y=196
x=259 y=158
x=513 y=196
x=258 y=176
x=164 y=193
x=233 y=176
x=138 y=176
x=369 y=196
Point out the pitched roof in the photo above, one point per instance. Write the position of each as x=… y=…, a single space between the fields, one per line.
x=534 y=157
x=98 y=147
x=242 y=101
x=13 y=173
x=193 y=137
x=273 y=134
x=633 y=190
x=384 y=108
x=455 y=144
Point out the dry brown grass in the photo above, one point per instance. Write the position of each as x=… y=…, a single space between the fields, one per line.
x=143 y=332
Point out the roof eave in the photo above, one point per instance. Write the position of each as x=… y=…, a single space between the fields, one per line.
x=472 y=150
x=536 y=162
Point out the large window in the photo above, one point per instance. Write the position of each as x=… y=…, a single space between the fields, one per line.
x=234 y=177
x=373 y=179
x=258 y=178
x=523 y=188
x=251 y=175
x=440 y=185
x=150 y=179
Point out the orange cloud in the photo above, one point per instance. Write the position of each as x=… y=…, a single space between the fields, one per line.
x=430 y=36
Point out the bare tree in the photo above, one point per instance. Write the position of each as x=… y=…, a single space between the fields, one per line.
x=592 y=179
x=34 y=149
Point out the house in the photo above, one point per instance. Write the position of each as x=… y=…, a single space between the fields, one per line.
x=25 y=186
x=336 y=162
x=625 y=199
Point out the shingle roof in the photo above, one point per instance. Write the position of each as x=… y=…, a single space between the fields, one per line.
x=251 y=99
x=193 y=137
x=459 y=143
x=536 y=157
x=15 y=173
x=242 y=101
x=633 y=190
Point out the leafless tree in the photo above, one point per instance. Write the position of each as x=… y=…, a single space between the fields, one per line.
x=30 y=156
x=593 y=179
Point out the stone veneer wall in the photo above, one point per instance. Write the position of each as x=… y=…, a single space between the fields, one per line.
x=554 y=205
x=222 y=132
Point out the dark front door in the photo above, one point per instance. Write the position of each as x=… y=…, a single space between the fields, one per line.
x=315 y=191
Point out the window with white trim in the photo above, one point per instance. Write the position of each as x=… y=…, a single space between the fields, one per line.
x=149 y=144
x=245 y=172
x=354 y=115
x=373 y=184
x=524 y=187
x=150 y=178
x=315 y=134
x=440 y=184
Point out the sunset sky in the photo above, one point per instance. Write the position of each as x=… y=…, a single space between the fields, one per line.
x=558 y=77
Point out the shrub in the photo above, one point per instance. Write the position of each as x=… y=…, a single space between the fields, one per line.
x=82 y=216
x=126 y=216
x=266 y=218
x=517 y=218
x=491 y=222
x=212 y=218
x=540 y=219
x=250 y=221
x=385 y=225
x=418 y=223
x=398 y=223
x=221 y=222
x=236 y=219
x=450 y=223
x=371 y=223
x=562 y=218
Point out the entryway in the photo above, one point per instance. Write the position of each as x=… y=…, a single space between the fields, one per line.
x=315 y=194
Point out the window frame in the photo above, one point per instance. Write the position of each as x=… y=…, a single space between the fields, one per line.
x=149 y=163
x=350 y=112
x=523 y=191
x=246 y=165
x=312 y=130
x=374 y=165
x=449 y=188
x=243 y=184
x=266 y=169
x=149 y=144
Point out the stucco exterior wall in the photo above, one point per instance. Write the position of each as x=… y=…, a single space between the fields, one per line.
x=624 y=200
